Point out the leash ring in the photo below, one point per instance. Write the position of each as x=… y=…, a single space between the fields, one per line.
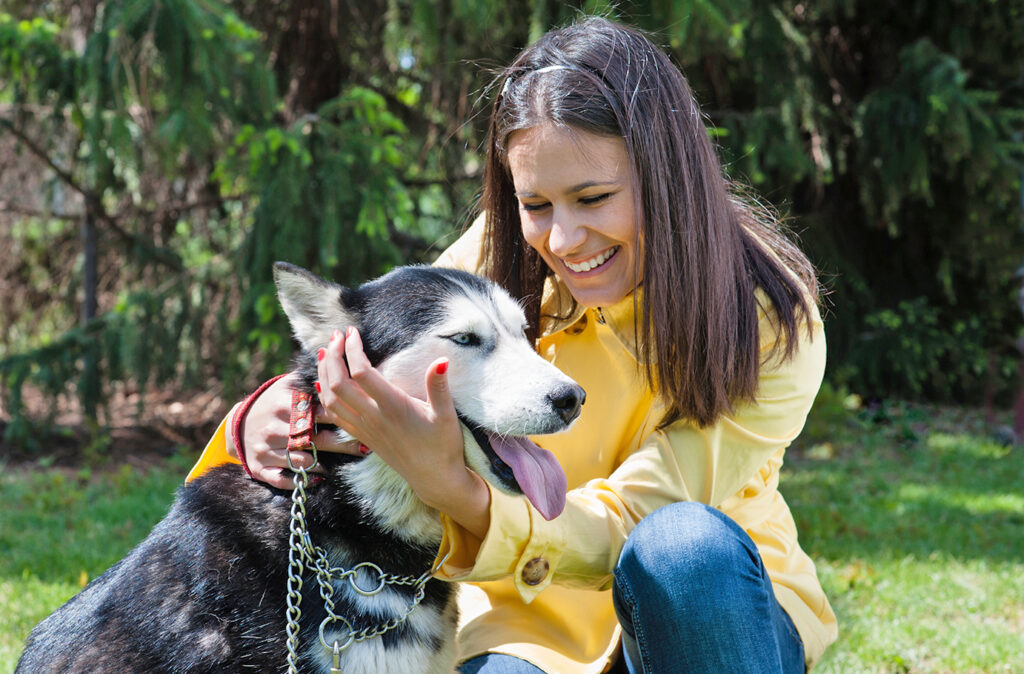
x=355 y=585
x=348 y=626
x=311 y=447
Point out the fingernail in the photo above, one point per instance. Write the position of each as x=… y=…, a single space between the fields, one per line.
x=442 y=367
x=349 y=331
x=363 y=449
x=316 y=479
x=316 y=385
x=335 y=335
x=320 y=354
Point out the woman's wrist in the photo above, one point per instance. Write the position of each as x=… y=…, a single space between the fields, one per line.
x=465 y=498
x=237 y=422
x=229 y=424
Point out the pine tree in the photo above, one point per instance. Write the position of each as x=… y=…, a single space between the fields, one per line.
x=159 y=155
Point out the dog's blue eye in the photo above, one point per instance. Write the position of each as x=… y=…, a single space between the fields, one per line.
x=465 y=339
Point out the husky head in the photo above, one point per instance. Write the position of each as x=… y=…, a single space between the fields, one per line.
x=502 y=389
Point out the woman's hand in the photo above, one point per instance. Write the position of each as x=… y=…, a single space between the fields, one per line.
x=420 y=439
x=265 y=436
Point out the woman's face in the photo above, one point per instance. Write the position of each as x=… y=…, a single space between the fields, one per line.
x=576 y=205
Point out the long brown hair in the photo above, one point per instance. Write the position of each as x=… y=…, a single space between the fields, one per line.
x=705 y=250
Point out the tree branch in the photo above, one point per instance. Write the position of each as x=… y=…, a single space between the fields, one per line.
x=43 y=156
x=93 y=202
x=8 y=207
x=177 y=206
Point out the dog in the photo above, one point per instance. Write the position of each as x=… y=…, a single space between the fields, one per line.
x=206 y=590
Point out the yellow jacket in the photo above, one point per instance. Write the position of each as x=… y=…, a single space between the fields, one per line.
x=536 y=589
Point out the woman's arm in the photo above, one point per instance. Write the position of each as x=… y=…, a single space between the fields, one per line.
x=737 y=455
x=265 y=429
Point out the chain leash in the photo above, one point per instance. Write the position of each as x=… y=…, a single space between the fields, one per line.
x=296 y=547
x=302 y=553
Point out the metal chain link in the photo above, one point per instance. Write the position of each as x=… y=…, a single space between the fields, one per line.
x=297 y=540
x=302 y=552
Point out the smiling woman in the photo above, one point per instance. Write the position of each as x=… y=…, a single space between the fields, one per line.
x=689 y=320
x=577 y=207
x=588 y=116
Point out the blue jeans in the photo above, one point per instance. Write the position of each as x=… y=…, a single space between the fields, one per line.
x=692 y=595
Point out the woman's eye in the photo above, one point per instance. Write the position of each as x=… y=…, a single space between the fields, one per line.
x=595 y=199
x=465 y=339
x=533 y=207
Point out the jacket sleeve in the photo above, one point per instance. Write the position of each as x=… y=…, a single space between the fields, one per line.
x=466 y=253
x=679 y=463
x=214 y=454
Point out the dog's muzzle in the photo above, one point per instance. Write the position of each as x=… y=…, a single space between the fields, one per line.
x=567 y=401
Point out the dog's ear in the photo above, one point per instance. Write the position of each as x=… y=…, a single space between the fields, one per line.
x=313 y=305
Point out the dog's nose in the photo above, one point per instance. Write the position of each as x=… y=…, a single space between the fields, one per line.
x=567 y=400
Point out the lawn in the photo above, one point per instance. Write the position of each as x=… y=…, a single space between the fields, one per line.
x=61 y=528
x=914 y=516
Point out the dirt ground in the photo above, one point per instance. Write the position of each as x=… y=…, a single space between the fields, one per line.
x=170 y=422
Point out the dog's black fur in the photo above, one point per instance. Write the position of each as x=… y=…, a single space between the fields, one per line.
x=205 y=592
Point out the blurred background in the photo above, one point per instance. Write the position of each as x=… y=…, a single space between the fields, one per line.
x=156 y=156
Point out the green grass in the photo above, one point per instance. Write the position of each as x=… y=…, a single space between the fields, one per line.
x=61 y=528
x=916 y=522
x=915 y=519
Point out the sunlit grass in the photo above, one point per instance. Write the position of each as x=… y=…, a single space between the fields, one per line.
x=915 y=520
x=62 y=528
x=930 y=615
x=918 y=534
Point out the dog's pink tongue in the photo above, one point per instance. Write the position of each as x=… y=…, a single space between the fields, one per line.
x=537 y=471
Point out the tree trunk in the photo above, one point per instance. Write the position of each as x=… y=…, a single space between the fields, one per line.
x=88 y=389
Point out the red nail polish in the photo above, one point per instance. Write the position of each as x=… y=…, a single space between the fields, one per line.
x=442 y=367
x=363 y=449
x=317 y=479
x=316 y=385
x=320 y=354
x=349 y=331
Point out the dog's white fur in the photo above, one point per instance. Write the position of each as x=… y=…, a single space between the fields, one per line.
x=497 y=380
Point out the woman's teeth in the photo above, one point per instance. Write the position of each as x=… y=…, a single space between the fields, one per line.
x=592 y=263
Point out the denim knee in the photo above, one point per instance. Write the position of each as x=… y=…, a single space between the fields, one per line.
x=686 y=545
x=690 y=583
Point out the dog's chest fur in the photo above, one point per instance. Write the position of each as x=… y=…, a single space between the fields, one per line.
x=213 y=575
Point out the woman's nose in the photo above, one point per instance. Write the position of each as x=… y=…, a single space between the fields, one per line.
x=566 y=234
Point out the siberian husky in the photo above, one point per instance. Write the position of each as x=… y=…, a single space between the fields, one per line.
x=206 y=591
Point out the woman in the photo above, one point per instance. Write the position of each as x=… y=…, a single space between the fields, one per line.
x=692 y=324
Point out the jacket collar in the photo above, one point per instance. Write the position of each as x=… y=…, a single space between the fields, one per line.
x=559 y=313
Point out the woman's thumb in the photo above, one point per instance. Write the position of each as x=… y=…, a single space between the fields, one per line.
x=437 y=385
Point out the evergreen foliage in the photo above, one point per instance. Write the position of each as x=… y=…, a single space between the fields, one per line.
x=159 y=155
x=893 y=136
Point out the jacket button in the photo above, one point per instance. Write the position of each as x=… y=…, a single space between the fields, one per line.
x=579 y=326
x=535 y=571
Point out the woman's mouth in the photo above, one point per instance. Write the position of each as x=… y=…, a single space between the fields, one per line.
x=592 y=263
